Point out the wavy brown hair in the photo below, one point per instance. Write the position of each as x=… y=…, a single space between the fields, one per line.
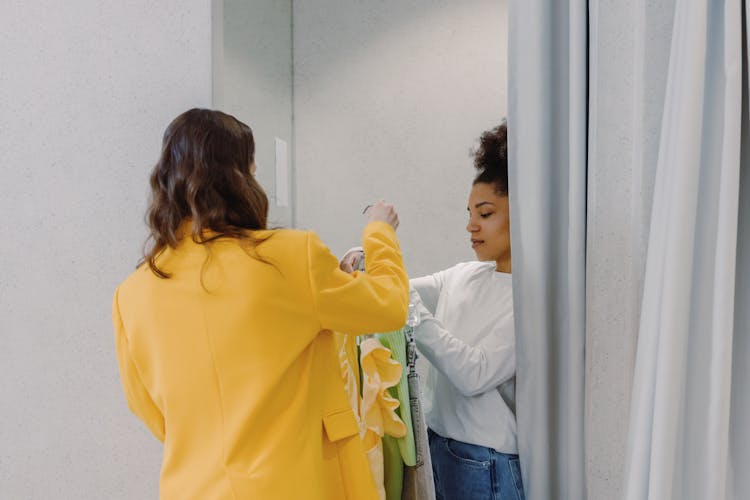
x=203 y=174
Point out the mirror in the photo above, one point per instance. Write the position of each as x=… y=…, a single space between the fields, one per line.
x=373 y=100
x=351 y=102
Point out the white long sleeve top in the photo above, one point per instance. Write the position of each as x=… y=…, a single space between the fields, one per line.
x=467 y=336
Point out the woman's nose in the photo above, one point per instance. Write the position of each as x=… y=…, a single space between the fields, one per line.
x=472 y=227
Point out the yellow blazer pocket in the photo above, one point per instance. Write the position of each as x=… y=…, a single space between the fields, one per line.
x=340 y=424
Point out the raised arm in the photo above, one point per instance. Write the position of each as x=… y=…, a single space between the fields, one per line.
x=472 y=369
x=358 y=303
x=427 y=289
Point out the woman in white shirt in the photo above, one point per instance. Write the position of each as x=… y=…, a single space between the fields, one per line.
x=467 y=335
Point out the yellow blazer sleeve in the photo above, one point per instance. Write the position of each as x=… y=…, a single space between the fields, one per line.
x=358 y=303
x=138 y=398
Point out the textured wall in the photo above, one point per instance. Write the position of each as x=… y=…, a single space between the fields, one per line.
x=87 y=89
x=388 y=99
x=629 y=56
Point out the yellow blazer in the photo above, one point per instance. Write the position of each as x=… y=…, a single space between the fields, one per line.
x=231 y=363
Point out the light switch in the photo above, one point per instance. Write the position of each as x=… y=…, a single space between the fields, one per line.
x=282 y=173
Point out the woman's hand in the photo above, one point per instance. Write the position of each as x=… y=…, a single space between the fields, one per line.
x=351 y=259
x=382 y=211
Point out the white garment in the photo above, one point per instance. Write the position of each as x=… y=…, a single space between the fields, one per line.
x=467 y=335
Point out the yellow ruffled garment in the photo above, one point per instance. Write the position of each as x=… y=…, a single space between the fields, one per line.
x=349 y=371
x=377 y=406
x=375 y=410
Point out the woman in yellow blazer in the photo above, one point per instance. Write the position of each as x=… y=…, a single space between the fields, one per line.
x=224 y=332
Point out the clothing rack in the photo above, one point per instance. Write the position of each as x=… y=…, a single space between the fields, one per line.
x=417 y=480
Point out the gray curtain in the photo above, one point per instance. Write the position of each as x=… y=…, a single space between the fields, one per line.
x=547 y=131
x=739 y=418
x=688 y=435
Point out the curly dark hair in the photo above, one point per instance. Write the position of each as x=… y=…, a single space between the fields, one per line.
x=491 y=158
x=204 y=175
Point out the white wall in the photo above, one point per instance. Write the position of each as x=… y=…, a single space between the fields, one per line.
x=629 y=56
x=87 y=90
x=389 y=97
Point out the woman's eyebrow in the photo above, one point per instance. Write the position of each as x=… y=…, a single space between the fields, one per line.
x=483 y=203
x=468 y=209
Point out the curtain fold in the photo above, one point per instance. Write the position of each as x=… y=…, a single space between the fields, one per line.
x=547 y=130
x=679 y=437
x=739 y=434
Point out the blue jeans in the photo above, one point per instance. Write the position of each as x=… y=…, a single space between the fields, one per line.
x=469 y=472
